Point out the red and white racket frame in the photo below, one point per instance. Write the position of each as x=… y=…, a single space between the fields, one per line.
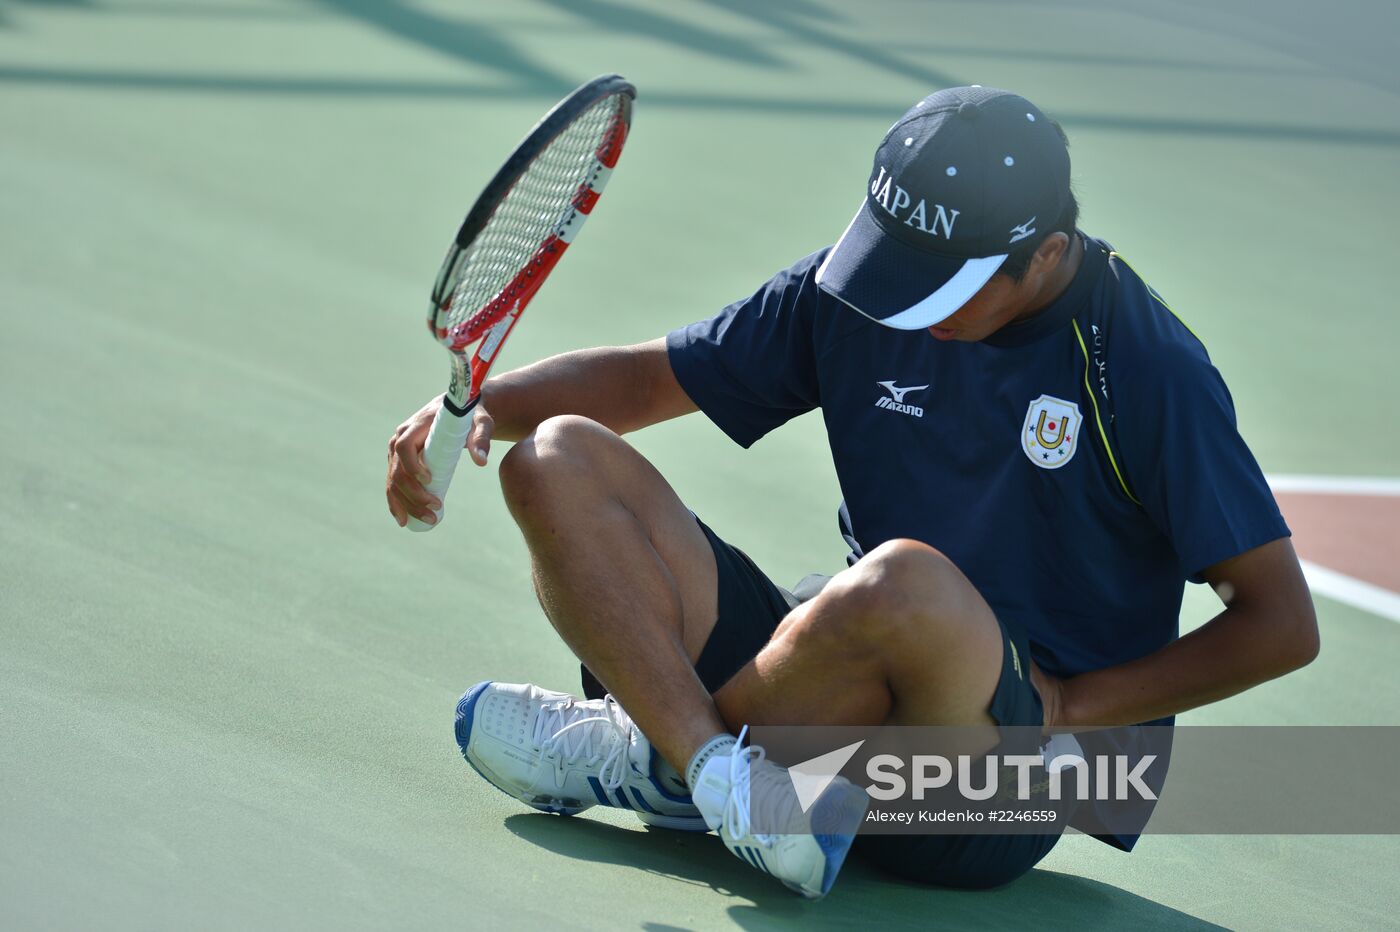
x=489 y=326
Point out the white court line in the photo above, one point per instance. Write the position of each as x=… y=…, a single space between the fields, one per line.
x=1336 y=485
x=1354 y=592
x=1347 y=589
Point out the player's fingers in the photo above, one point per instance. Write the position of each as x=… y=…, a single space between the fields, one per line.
x=405 y=483
x=407 y=474
x=399 y=505
x=395 y=508
x=408 y=449
x=413 y=495
x=422 y=508
x=479 y=439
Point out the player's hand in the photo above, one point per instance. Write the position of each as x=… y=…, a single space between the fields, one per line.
x=1052 y=695
x=407 y=476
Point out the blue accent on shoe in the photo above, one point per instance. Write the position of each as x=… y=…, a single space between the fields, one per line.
x=622 y=802
x=598 y=791
x=840 y=809
x=642 y=804
x=762 y=864
x=466 y=709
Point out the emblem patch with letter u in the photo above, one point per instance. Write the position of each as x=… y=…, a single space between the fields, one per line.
x=1051 y=432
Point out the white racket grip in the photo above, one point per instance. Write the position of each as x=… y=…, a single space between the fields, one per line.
x=446 y=438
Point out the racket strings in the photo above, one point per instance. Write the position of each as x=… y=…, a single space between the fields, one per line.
x=518 y=235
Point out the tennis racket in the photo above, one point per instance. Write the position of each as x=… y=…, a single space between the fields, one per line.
x=513 y=237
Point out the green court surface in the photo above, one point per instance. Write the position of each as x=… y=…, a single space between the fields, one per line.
x=227 y=677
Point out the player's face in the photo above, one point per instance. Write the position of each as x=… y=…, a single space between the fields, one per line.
x=1004 y=300
x=986 y=312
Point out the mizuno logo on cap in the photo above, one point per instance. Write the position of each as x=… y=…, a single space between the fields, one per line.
x=900 y=204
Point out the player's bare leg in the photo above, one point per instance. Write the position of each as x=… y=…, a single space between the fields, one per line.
x=629 y=581
x=623 y=572
x=902 y=637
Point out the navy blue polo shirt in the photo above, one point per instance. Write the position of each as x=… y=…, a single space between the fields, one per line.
x=1078 y=467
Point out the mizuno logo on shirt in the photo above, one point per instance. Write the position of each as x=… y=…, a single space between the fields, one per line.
x=896 y=400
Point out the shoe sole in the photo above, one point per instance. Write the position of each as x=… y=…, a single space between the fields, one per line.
x=466 y=711
x=675 y=823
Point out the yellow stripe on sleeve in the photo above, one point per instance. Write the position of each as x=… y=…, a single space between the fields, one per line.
x=1158 y=298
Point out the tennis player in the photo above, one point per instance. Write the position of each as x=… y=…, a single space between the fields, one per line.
x=1035 y=452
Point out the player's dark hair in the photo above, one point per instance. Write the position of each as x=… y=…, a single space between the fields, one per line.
x=1019 y=258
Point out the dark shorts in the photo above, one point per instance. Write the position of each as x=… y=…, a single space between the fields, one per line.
x=750 y=608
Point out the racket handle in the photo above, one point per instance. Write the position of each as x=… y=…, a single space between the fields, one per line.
x=446 y=438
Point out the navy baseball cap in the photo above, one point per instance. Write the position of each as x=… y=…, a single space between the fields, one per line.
x=957 y=182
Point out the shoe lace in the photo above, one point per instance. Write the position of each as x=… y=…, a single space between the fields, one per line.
x=744 y=774
x=604 y=738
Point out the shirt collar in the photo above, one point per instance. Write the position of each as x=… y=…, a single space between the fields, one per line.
x=1070 y=302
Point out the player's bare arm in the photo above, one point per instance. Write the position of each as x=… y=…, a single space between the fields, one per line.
x=1268 y=628
x=624 y=388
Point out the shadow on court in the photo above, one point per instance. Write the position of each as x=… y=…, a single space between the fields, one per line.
x=113 y=81
x=478 y=42
x=649 y=25
x=863 y=896
x=795 y=21
x=466 y=40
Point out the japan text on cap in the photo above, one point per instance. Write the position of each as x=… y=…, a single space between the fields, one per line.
x=963 y=177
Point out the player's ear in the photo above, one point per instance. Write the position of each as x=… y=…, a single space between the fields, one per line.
x=1047 y=257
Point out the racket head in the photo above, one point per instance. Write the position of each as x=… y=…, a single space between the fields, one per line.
x=527 y=215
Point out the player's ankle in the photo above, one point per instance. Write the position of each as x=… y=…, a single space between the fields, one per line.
x=722 y=743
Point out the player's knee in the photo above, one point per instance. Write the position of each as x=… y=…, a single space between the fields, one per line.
x=571 y=437
x=542 y=459
x=907 y=578
x=557 y=455
x=902 y=590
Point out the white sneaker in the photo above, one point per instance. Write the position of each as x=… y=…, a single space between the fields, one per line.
x=805 y=850
x=562 y=754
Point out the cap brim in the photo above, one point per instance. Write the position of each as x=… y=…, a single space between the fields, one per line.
x=896 y=284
